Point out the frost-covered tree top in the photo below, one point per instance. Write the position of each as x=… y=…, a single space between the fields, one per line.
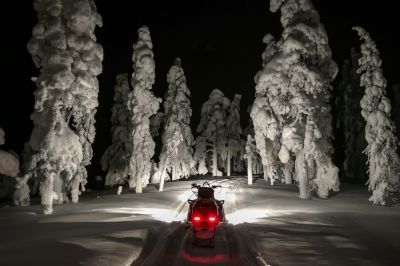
x=143 y=62
x=372 y=77
x=142 y=104
x=213 y=115
x=64 y=46
x=384 y=162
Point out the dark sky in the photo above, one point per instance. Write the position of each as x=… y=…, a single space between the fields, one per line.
x=219 y=42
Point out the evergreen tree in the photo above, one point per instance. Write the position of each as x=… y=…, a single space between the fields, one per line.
x=234 y=131
x=64 y=47
x=383 y=160
x=212 y=130
x=115 y=159
x=142 y=104
x=177 y=151
x=294 y=86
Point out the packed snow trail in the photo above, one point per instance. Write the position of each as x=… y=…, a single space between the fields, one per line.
x=175 y=246
x=268 y=225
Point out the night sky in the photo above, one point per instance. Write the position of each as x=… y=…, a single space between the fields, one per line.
x=219 y=42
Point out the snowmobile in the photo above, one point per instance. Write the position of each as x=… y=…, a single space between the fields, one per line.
x=204 y=214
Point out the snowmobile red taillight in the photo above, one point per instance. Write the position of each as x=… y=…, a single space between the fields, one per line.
x=196 y=218
x=212 y=219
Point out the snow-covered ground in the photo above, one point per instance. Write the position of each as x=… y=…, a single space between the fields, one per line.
x=268 y=226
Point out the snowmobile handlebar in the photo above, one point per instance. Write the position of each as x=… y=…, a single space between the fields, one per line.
x=205 y=184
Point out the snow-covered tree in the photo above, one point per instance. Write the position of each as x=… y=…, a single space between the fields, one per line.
x=234 y=130
x=384 y=162
x=64 y=47
x=349 y=119
x=115 y=159
x=265 y=119
x=177 y=151
x=142 y=104
x=212 y=130
x=293 y=94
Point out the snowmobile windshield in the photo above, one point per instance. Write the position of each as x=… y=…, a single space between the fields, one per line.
x=205 y=193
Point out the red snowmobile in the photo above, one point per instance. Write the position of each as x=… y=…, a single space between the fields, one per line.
x=204 y=214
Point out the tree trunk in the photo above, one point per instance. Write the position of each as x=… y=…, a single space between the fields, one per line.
x=287 y=171
x=58 y=189
x=22 y=191
x=162 y=175
x=173 y=173
x=265 y=171
x=139 y=185
x=228 y=168
x=215 y=160
x=249 y=170
x=301 y=170
x=46 y=191
x=75 y=188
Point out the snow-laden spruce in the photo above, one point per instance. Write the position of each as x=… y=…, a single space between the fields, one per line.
x=349 y=119
x=177 y=152
x=234 y=131
x=383 y=160
x=265 y=118
x=142 y=104
x=115 y=159
x=63 y=46
x=212 y=132
x=292 y=104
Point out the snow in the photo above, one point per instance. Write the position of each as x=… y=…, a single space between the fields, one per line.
x=268 y=224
